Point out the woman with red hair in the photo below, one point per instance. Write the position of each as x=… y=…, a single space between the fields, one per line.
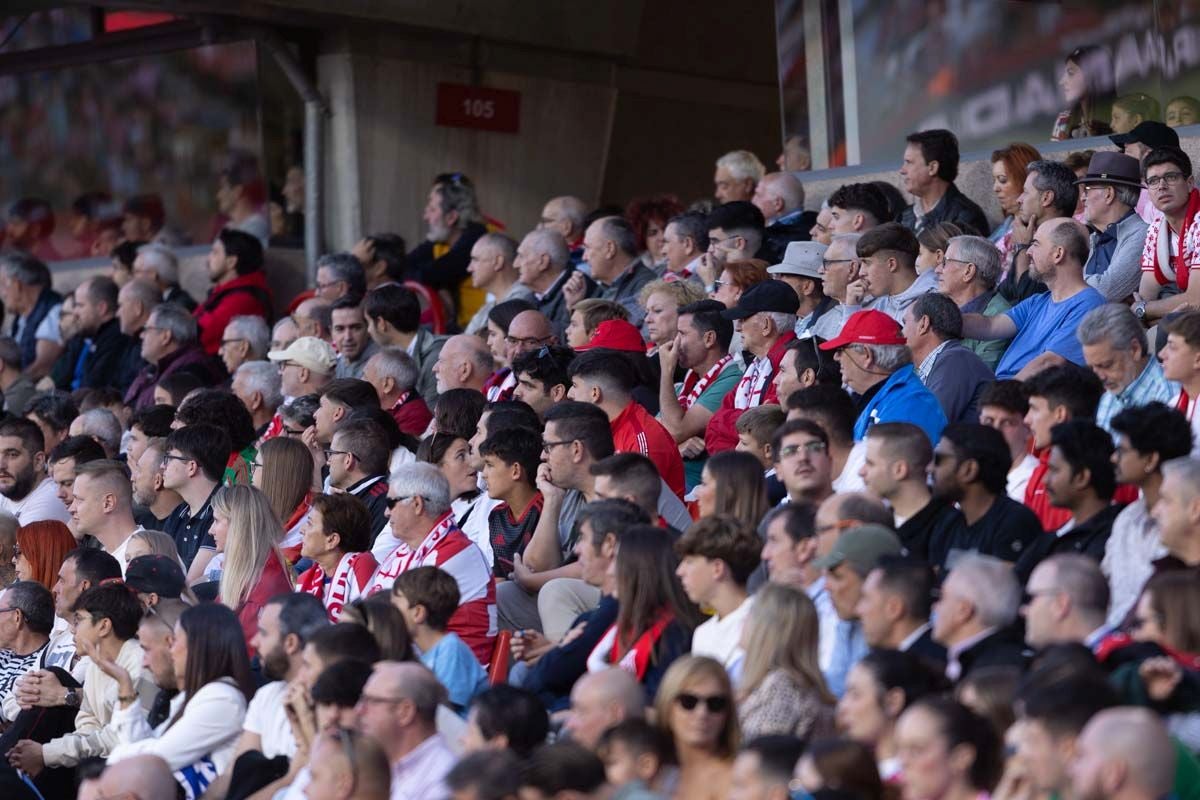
x=41 y=548
x=1009 y=170
x=648 y=216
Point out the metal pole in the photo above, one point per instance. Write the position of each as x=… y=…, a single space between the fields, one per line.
x=315 y=111
x=314 y=118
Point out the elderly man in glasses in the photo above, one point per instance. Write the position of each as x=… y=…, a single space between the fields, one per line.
x=530 y=330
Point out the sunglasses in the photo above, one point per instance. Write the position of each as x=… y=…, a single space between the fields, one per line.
x=715 y=704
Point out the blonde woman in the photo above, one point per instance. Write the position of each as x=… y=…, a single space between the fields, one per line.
x=695 y=707
x=247 y=531
x=662 y=301
x=781 y=689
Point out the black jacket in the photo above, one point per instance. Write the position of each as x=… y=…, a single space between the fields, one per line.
x=1088 y=538
x=554 y=305
x=929 y=651
x=938 y=521
x=1004 y=648
x=448 y=271
x=954 y=207
x=777 y=237
x=109 y=364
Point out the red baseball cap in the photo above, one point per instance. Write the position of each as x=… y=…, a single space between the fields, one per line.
x=615 y=334
x=867 y=327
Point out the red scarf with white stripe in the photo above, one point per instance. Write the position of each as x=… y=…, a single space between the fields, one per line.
x=637 y=659
x=403 y=558
x=351 y=576
x=689 y=395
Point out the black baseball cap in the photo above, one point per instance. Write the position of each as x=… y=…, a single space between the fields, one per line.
x=770 y=295
x=154 y=574
x=1149 y=133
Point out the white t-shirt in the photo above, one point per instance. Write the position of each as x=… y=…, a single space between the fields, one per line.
x=40 y=504
x=720 y=637
x=266 y=717
x=1018 y=478
x=849 y=480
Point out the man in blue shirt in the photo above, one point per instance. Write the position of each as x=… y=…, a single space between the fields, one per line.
x=1042 y=327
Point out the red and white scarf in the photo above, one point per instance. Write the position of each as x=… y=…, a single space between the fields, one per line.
x=637 y=658
x=688 y=395
x=753 y=385
x=403 y=558
x=1156 y=251
x=349 y=582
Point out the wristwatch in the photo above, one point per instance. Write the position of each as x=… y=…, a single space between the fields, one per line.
x=1139 y=309
x=72 y=699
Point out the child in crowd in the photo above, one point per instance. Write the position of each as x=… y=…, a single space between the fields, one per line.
x=510 y=463
x=634 y=751
x=428 y=597
x=755 y=429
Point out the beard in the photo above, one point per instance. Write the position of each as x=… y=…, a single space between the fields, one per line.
x=438 y=232
x=22 y=485
x=275 y=664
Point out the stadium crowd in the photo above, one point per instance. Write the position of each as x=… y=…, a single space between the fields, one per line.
x=733 y=500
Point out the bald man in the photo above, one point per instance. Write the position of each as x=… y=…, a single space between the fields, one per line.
x=398 y=711
x=314 y=317
x=493 y=270
x=529 y=330
x=565 y=216
x=137 y=776
x=348 y=766
x=1123 y=754
x=463 y=363
x=780 y=198
x=600 y=700
x=1042 y=327
x=544 y=263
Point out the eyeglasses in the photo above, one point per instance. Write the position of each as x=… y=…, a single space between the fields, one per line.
x=231 y=341
x=813 y=448
x=548 y=446
x=825 y=262
x=293 y=431
x=331 y=453
x=367 y=699
x=255 y=465
x=1169 y=179
x=176 y=458
x=714 y=704
x=948 y=259
x=392 y=502
x=532 y=341
x=942 y=458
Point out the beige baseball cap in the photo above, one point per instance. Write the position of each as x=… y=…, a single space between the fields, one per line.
x=309 y=352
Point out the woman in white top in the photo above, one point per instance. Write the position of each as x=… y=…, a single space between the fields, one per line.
x=212 y=672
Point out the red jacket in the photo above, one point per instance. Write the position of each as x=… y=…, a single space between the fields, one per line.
x=273 y=580
x=721 y=433
x=635 y=431
x=243 y=295
x=411 y=413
